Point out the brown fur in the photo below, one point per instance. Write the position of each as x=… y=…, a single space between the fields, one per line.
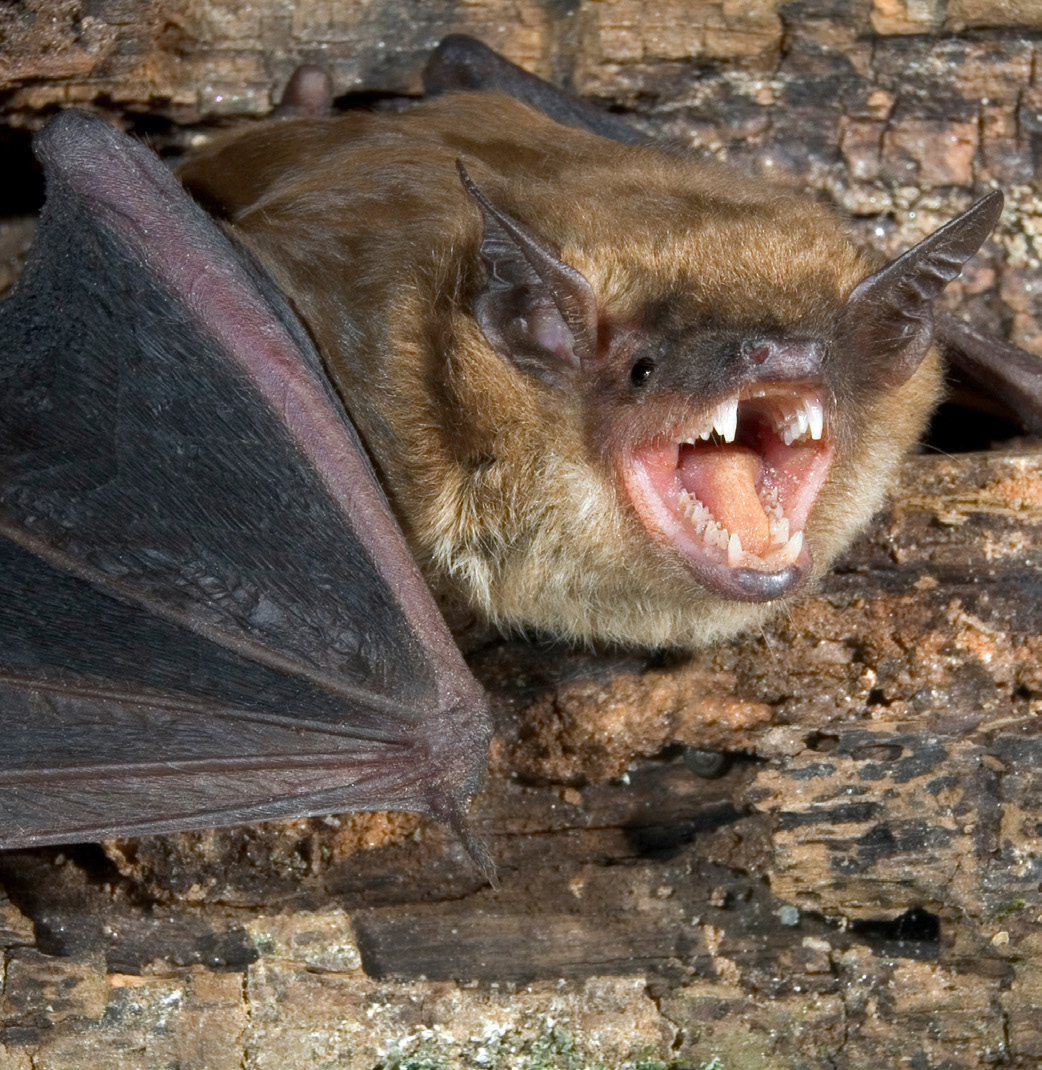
x=502 y=484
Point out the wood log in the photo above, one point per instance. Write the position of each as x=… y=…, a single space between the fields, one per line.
x=857 y=882
x=871 y=844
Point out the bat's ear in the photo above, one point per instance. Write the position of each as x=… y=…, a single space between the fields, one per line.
x=888 y=322
x=535 y=310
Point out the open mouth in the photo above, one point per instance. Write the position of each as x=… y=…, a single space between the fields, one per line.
x=732 y=490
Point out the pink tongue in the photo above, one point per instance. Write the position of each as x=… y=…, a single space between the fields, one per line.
x=724 y=480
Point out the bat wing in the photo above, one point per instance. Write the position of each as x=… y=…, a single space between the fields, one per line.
x=1009 y=374
x=462 y=62
x=208 y=614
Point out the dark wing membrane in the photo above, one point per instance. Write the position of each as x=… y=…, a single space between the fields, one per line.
x=207 y=612
x=1006 y=372
x=461 y=62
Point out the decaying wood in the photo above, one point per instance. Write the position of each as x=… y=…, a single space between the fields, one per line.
x=858 y=885
x=865 y=867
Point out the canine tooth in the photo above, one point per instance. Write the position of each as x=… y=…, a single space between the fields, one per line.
x=815 y=417
x=734 y=550
x=725 y=419
x=791 y=550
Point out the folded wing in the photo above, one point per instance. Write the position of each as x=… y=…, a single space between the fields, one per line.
x=208 y=614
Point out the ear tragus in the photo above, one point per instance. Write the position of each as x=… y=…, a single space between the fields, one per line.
x=535 y=310
x=888 y=321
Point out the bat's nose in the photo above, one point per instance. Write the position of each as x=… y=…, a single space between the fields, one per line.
x=778 y=359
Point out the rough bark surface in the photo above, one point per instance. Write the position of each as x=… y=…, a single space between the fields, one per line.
x=857 y=884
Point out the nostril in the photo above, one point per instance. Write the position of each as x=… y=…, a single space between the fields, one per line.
x=756 y=352
x=784 y=359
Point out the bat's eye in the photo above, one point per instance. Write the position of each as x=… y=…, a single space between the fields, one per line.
x=641 y=371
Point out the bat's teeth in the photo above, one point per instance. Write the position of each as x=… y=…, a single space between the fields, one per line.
x=784 y=548
x=790 y=551
x=691 y=436
x=702 y=521
x=725 y=419
x=771 y=503
x=815 y=417
x=805 y=418
x=695 y=511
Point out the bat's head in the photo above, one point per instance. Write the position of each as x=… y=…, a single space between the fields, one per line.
x=750 y=415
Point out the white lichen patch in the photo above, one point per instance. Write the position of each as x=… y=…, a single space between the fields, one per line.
x=298 y=1016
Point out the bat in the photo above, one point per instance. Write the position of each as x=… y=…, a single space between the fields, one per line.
x=560 y=378
x=613 y=395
